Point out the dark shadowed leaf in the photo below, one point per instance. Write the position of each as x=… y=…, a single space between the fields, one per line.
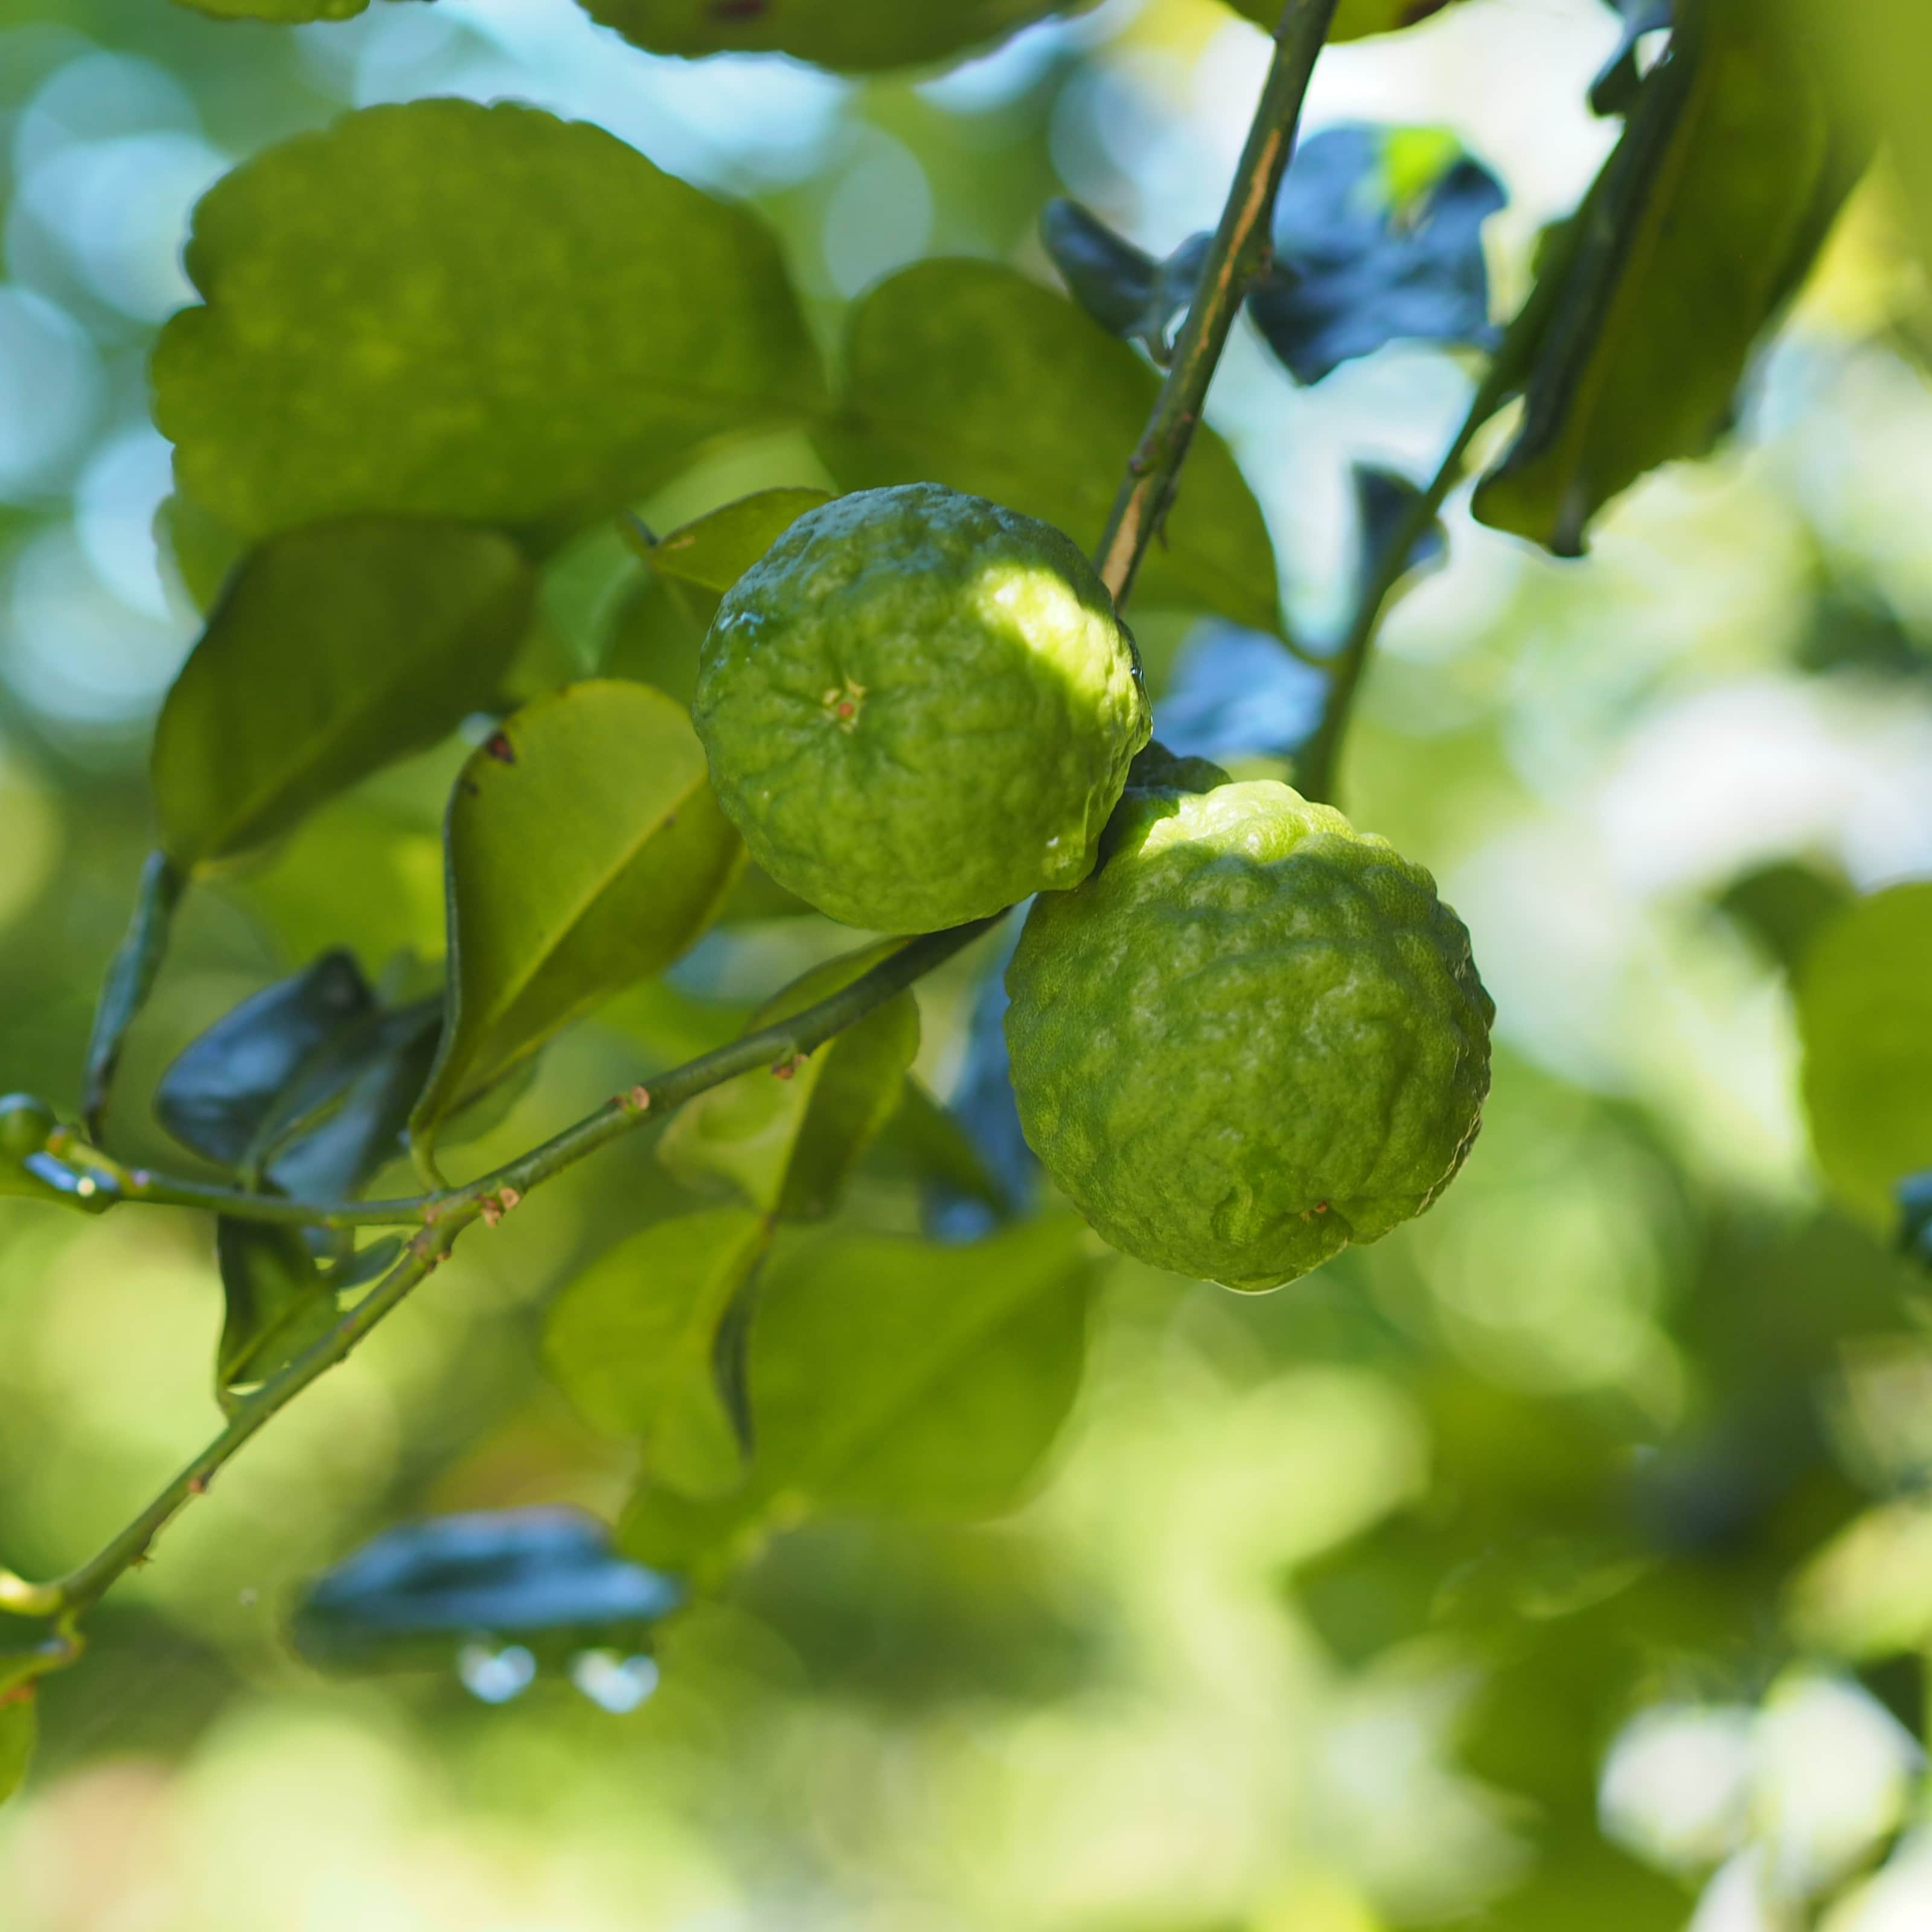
x=1377 y=236
x=584 y=851
x=344 y=1118
x=1915 y=1216
x=545 y=1577
x=1865 y=1025
x=384 y=327
x=889 y=1376
x=713 y=552
x=1616 y=85
x=1122 y=287
x=788 y=1138
x=1700 y=225
x=860 y=36
x=966 y=373
x=646 y=1343
x=1354 y=18
x=287 y=12
x=19 y=1726
x=1385 y=504
x=984 y=1110
x=1784 y=906
x=278 y=1299
x=332 y=652
x=1235 y=693
x=221 y=1091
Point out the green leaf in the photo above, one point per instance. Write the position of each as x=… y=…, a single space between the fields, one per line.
x=860 y=36
x=200 y=546
x=584 y=850
x=788 y=1138
x=484 y=313
x=19 y=1727
x=283 y=12
x=1865 y=1021
x=544 y=1577
x=891 y=1377
x=645 y=1342
x=1867 y=1593
x=217 y=1095
x=967 y=373
x=1783 y=906
x=278 y=1301
x=1701 y=224
x=713 y=552
x=332 y=652
x=655 y=636
x=1354 y=18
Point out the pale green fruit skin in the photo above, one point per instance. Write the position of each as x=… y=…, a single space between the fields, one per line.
x=1254 y=1035
x=920 y=707
x=856 y=35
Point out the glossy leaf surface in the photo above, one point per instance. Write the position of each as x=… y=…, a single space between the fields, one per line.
x=332 y=652
x=584 y=851
x=857 y=35
x=966 y=373
x=384 y=327
x=1701 y=224
x=787 y=1139
x=218 y=1096
x=1377 y=237
x=1865 y=1023
x=646 y=1343
x=545 y=1576
x=889 y=1376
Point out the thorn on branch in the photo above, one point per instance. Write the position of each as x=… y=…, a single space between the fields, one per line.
x=786 y=1068
x=494 y=1207
x=197 y=1486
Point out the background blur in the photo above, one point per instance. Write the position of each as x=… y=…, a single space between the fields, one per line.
x=1338 y=1605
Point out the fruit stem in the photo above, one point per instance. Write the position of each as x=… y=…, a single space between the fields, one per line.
x=1238 y=254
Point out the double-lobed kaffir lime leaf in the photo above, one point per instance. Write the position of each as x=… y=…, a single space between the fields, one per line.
x=1699 y=228
x=482 y=313
x=584 y=850
x=332 y=651
x=893 y=1378
x=967 y=373
x=787 y=1139
x=649 y=1342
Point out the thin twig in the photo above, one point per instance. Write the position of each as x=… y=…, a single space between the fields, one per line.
x=1238 y=254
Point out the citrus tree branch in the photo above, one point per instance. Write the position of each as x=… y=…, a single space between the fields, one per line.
x=1238 y=253
x=443 y=1216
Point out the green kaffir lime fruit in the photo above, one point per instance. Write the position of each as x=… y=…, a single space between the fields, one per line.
x=920 y=707
x=1254 y=1035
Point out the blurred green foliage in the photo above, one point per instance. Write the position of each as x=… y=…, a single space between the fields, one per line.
x=1326 y=1609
